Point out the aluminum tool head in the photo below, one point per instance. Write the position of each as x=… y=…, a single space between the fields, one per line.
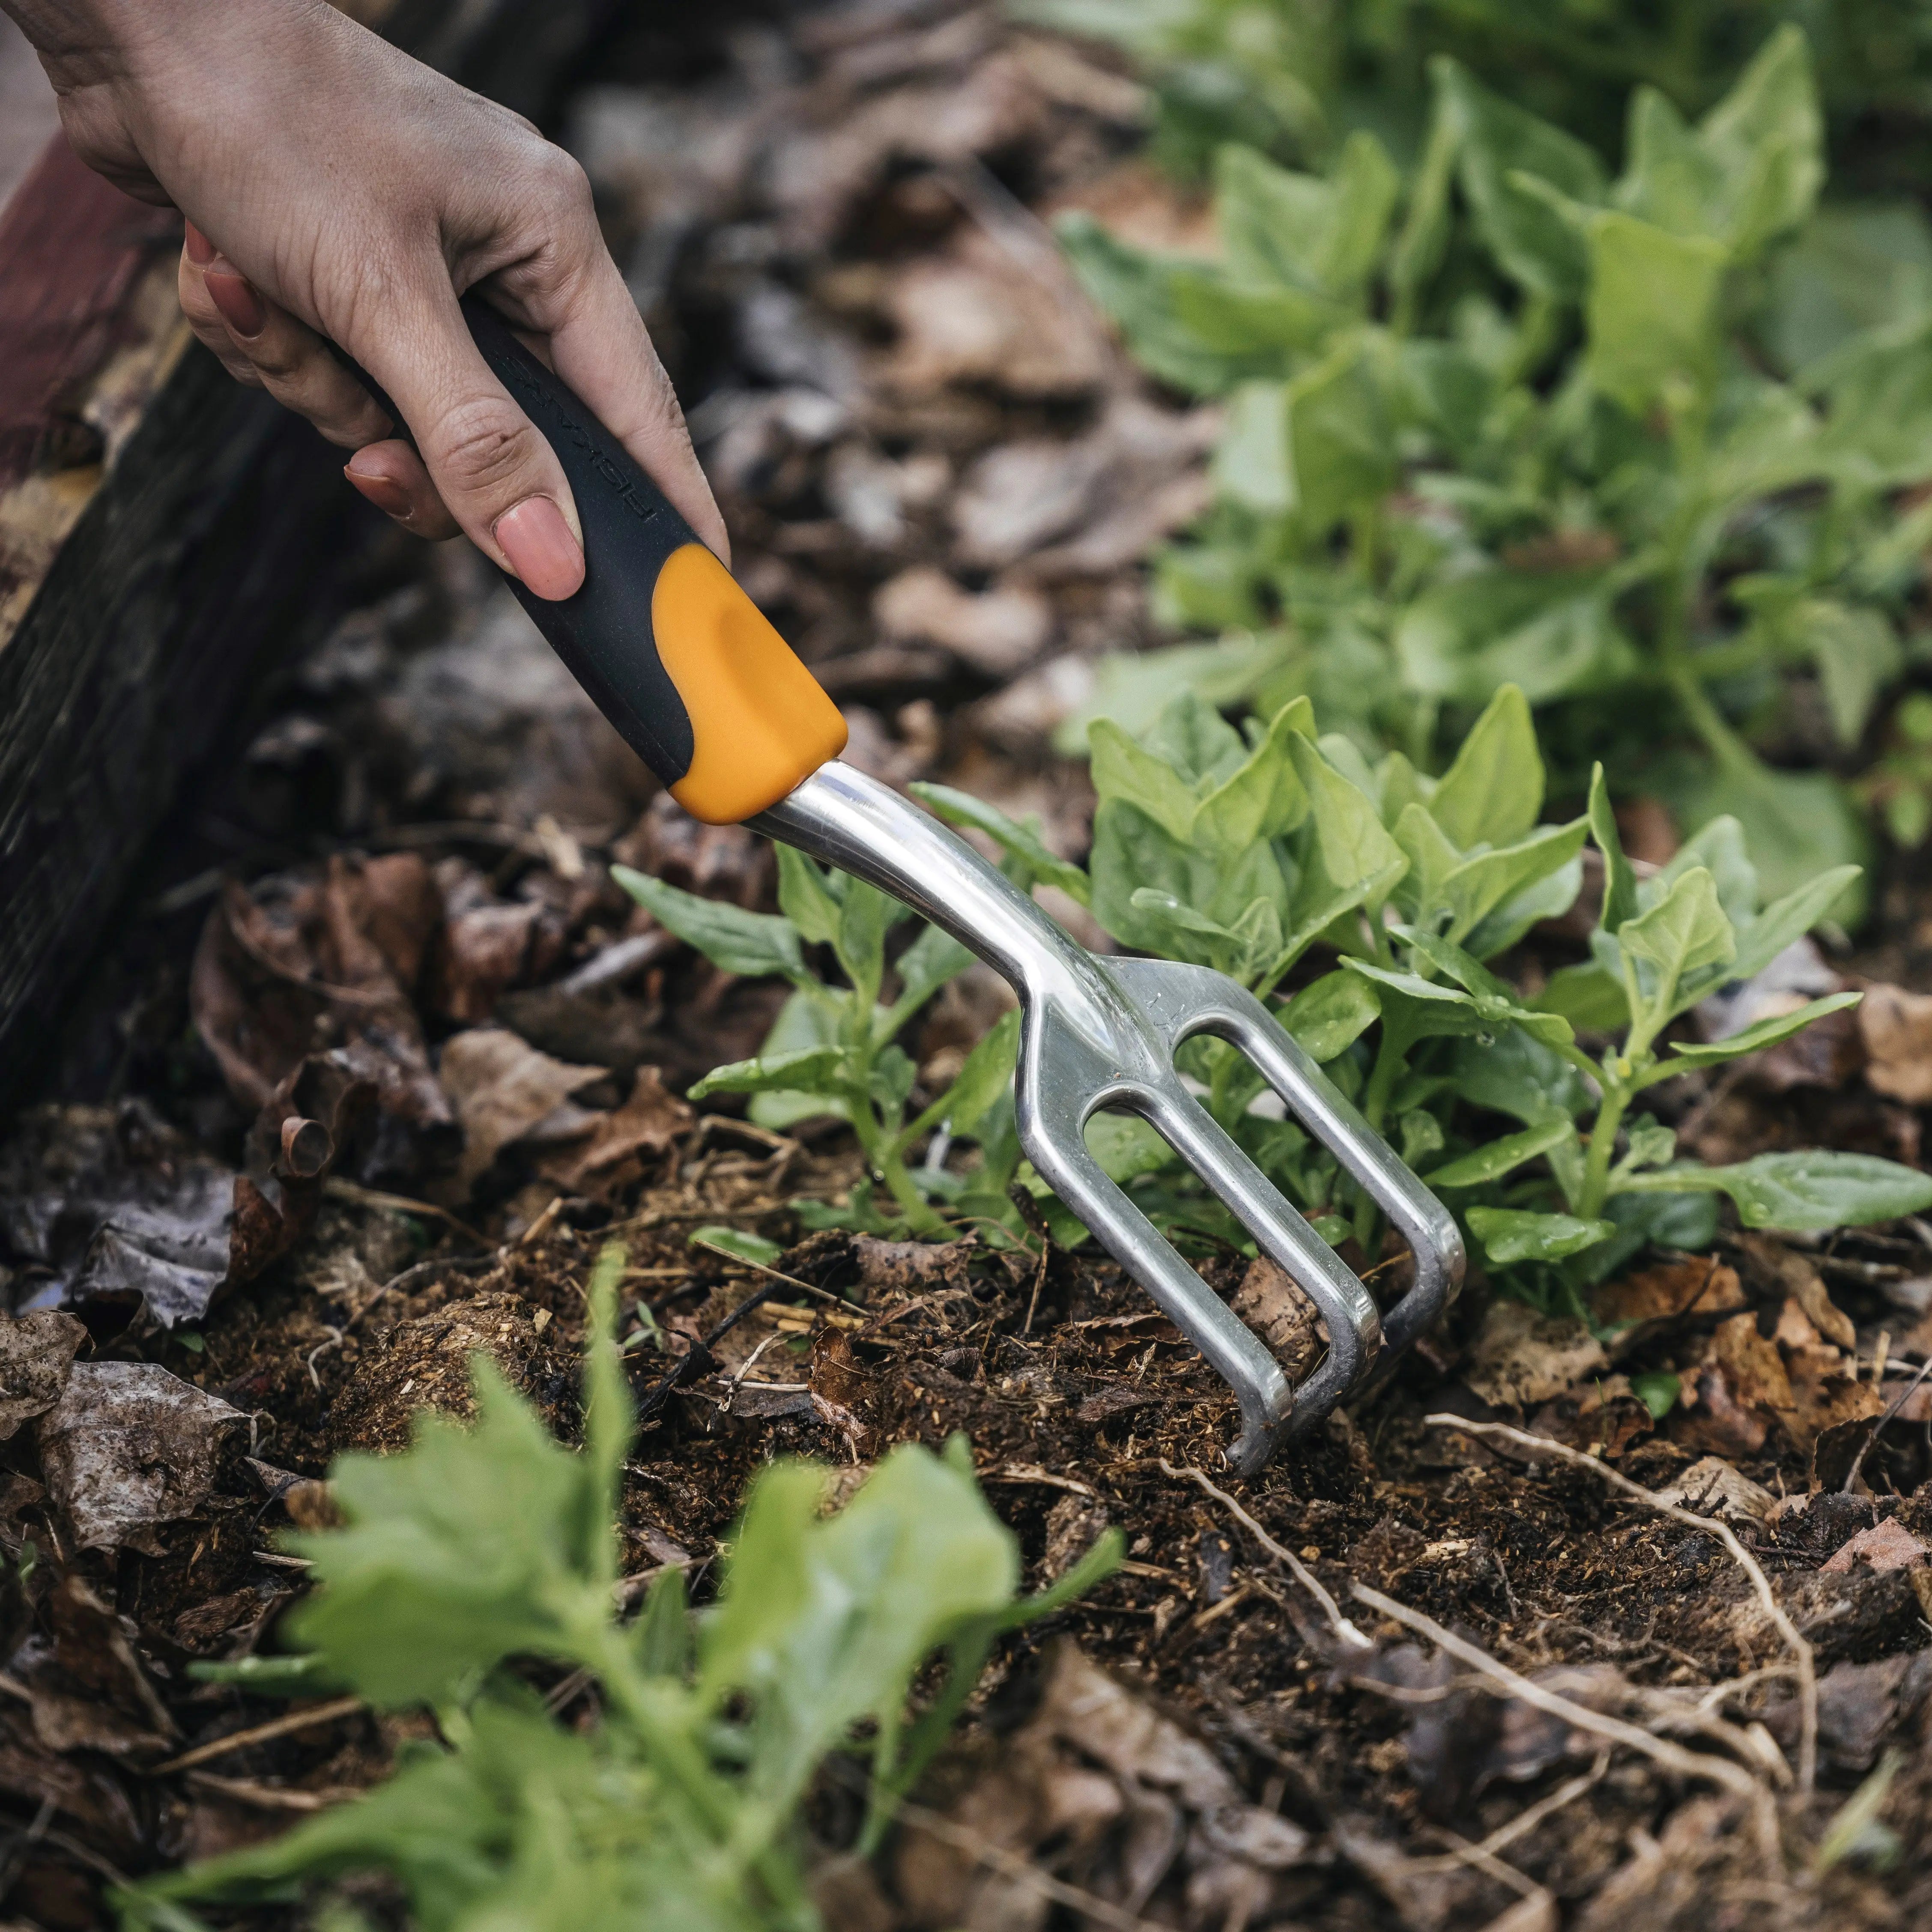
x=1103 y=1034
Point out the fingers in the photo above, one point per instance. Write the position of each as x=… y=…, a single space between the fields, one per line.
x=500 y=481
x=264 y=346
x=600 y=346
x=571 y=291
x=392 y=476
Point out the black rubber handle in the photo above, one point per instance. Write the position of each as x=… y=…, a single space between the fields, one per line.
x=603 y=632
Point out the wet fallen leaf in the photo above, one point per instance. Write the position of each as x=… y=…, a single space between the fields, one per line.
x=129 y=1446
x=112 y=1203
x=37 y=1350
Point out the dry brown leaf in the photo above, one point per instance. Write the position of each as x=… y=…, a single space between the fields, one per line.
x=652 y=1120
x=1887 y=1545
x=1897 y=1028
x=1520 y=1358
x=1774 y=1263
x=1712 y=1486
x=998 y=632
x=978 y=315
x=1699 y=1286
x=503 y=1089
x=1271 y=1303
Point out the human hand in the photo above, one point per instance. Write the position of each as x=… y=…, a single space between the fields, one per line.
x=334 y=187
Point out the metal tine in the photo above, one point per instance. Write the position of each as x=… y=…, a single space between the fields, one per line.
x=1184 y=1000
x=1354 y=1324
x=1268 y=1404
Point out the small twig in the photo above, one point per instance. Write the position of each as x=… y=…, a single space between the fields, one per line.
x=1010 y=1864
x=1897 y=1402
x=540 y=1227
x=1523 y=1823
x=401 y=1204
x=1800 y=1647
x=1347 y=1631
x=260 y=1734
x=335 y=1342
x=1673 y=1758
x=271 y=1797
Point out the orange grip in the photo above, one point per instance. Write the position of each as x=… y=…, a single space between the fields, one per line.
x=759 y=723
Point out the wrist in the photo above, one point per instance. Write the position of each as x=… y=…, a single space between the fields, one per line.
x=84 y=43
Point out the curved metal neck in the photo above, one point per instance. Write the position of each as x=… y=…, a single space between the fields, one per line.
x=846 y=819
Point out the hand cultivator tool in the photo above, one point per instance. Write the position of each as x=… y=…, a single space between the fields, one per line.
x=695 y=678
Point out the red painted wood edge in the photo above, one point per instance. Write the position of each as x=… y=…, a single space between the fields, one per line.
x=71 y=245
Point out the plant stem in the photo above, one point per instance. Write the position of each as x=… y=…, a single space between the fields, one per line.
x=1603 y=1146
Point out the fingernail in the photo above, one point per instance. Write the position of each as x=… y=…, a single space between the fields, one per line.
x=240 y=307
x=384 y=492
x=200 y=249
x=541 y=547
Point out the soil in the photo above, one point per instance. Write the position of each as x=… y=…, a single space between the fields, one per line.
x=386 y=917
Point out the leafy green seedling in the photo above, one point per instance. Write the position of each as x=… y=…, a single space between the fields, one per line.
x=1512 y=421
x=680 y=1806
x=834 y=1048
x=1251 y=854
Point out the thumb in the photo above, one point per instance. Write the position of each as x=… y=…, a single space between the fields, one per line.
x=498 y=477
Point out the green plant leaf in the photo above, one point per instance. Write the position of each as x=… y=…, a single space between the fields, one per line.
x=1659 y=1390
x=806 y=898
x=933 y=958
x=810 y=1069
x=1685 y=931
x=1341 y=456
x=1620 y=900
x=1124 y=770
x=822 y=1622
x=1159 y=306
x=1329 y=1016
x=1321 y=236
x=1532 y=243
x=738 y=1242
x=1493 y=794
x=1552 y=636
x=986 y=1079
x=1499 y=1157
x=1263 y=799
x=1355 y=848
x=1517 y=1074
x=1858 y=654
x=1482 y=886
x=1806 y=1192
x=410 y=1606
x=1509 y=1234
x=752 y=943
x=1651 y=312
x=1766 y=1032
x=1752 y=170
